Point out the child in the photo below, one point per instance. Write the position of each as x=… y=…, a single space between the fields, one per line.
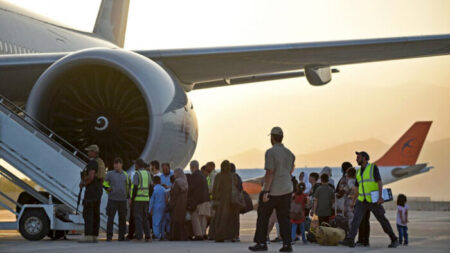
x=323 y=200
x=157 y=208
x=402 y=219
x=301 y=198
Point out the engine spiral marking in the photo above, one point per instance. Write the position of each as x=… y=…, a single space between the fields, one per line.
x=99 y=122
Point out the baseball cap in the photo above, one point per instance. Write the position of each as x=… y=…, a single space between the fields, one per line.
x=277 y=131
x=363 y=154
x=93 y=148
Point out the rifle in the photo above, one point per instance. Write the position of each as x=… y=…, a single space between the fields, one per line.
x=82 y=174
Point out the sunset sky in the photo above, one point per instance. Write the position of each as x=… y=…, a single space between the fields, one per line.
x=375 y=100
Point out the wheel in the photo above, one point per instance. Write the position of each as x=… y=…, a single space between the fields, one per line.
x=34 y=224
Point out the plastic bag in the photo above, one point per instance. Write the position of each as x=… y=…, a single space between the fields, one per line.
x=314 y=223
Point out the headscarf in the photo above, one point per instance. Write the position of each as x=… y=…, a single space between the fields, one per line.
x=225 y=167
x=180 y=179
x=327 y=170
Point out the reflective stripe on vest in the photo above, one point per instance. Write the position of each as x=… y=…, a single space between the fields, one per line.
x=142 y=192
x=367 y=183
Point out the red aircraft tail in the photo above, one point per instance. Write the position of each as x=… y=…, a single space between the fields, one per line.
x=407 y=149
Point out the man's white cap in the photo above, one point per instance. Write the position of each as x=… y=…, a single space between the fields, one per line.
x=277 y=131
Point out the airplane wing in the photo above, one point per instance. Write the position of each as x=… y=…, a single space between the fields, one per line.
x=222 y=66
x=212 y=67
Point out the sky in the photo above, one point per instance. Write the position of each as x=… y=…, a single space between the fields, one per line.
x=374 y=100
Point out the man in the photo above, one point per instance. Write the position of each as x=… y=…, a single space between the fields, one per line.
x=276 y=194
x=368 y=180
x=142 y=182
x=198 y=201
x=323 y=200
x=117 y=185
x=92 y=196
x=364 y=231
x=165 y=176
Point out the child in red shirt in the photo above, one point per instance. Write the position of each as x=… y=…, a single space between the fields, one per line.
x=300 y=198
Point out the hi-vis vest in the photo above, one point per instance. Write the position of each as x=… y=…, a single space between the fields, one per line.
x=366 y=183
x=143 y=193
x=106 y=184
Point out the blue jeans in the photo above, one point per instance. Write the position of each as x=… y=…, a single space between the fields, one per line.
x=294 y=231
x=402 y=234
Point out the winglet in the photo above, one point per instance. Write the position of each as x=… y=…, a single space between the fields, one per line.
x=407 y=149
x=111 y=23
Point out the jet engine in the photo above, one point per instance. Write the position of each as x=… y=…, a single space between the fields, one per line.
x=125 y=103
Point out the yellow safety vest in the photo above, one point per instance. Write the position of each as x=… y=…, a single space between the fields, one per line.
x=143 y=192
x=367 y=183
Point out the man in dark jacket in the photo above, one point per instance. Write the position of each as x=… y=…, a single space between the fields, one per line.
x=198 y=201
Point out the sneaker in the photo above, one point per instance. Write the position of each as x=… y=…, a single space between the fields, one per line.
x=258 y=247
x=277 y=239
x=348 y=243
x=109 y=239
x=148 y=239
x=268 y=240
x=394 y=244
x=405 y=244
x=286 y=248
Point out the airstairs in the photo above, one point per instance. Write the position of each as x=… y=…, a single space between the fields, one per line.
x=52 y=163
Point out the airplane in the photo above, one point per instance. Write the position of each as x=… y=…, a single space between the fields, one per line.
x=398 y=163
x=87 y=88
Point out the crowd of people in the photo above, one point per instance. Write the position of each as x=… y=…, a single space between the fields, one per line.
x=162 y=205
x=202 y=205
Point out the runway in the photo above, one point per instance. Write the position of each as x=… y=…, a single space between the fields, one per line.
x=428 y=232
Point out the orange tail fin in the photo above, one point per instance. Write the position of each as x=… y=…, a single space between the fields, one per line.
x=407 y=149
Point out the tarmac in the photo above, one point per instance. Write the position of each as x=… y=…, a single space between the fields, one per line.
x=428 y=232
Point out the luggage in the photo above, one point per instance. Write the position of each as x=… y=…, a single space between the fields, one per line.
x=296 y=211
x=101 y=171
x=237 y=197
x=341 y=222
x=248 y=203
x=328 y=236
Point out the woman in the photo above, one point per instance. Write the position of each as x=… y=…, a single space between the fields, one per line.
x=226 y=219
x=177 y=206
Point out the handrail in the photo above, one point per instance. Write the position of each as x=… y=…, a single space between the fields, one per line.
x=51 y=135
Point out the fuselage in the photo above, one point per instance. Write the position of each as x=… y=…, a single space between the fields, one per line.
x=24 y=32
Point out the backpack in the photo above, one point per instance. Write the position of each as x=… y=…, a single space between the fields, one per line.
x=101 y=171
x=296 y=211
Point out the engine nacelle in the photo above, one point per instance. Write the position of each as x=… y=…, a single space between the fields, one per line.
x=123 y=102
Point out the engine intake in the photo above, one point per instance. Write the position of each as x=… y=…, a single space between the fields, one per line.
x=110 y=97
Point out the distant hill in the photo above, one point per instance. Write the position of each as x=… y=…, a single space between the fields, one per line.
x=433 y=184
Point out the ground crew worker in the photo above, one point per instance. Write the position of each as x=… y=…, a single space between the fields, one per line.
x=142 y=182
x=92 y=196
x=117 y=185
x=368 y=180
x=276 y=194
